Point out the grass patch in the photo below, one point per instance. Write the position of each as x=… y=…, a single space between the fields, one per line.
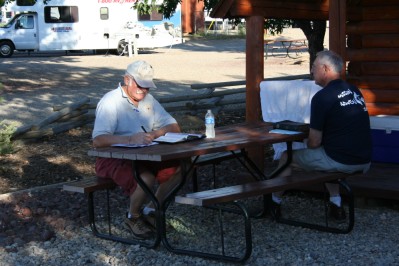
x=6 y=132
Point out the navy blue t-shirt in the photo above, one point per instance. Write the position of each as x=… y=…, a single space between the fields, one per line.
x=339 y=111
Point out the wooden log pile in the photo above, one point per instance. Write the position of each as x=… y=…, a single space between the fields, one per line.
x=68 y=117
x=80 y=113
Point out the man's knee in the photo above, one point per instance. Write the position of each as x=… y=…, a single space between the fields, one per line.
x=166 y=174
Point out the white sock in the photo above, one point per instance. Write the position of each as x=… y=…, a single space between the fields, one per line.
x=130 y=216
x=147 y=210
x=276 y=199
x=336 y=200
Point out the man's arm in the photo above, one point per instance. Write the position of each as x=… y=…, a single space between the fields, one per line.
x=138 y=138
x=314 y=139
x=108 y=140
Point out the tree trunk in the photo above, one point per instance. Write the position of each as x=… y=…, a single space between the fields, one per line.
x=314 y=32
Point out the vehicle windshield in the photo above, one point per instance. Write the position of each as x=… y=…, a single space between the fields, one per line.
x=10 y=22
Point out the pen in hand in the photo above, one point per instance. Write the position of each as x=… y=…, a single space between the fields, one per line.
x=147 y=138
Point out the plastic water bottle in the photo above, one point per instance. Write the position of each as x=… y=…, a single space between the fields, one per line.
x=209 y=124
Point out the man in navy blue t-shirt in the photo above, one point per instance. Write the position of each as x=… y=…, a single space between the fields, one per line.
x=339 y=136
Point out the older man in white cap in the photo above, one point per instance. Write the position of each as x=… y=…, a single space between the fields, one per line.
x=125 y=115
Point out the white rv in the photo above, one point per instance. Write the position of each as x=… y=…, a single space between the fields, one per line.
x=85 y=25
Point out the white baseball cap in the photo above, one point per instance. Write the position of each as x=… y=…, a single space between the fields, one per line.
x=142 y=72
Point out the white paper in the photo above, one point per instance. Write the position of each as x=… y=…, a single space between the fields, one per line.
x=133 y=145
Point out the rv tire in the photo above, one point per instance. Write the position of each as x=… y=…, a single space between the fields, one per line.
x=122 y=47
x=6 y=49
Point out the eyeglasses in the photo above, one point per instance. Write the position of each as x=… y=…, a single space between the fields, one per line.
x=137 y=85
x=142 y=88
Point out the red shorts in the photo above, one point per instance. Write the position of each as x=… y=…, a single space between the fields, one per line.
x=121 y=171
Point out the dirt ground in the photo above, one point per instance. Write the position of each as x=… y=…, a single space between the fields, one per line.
x=47 y=161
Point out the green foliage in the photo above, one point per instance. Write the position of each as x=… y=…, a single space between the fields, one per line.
x=209 y=4
x=276 y=26
x=241 y=30
x=6 y=132
x=143 y=7
x=168 y=7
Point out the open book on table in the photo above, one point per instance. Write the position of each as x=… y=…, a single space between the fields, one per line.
x=171 y=137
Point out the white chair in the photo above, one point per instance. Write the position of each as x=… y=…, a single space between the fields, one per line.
x=287 y=100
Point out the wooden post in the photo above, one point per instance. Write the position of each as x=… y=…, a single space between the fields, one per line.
x=337 y=33
x=254 y=66
x=254 y=75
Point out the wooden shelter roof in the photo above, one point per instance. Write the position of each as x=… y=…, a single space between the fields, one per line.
x=290 y=9
x=301 y=9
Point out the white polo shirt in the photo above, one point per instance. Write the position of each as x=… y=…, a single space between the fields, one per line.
x=116 y=115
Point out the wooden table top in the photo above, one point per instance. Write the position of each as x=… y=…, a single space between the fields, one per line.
x=228 y=138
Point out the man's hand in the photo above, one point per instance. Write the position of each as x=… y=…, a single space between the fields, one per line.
x=141 y=138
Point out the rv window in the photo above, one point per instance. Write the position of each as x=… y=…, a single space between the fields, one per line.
x=24 y=22
x=29 y=22
x=26 y=2
x=104 y=13
x=154 y=16
x=61 y=14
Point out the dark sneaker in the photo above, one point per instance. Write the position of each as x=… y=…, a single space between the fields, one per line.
x=338 y=213
x=150 y=220
x=275 y=210
x=138 y=227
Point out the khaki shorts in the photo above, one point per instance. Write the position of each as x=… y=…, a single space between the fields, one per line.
x=318 y=160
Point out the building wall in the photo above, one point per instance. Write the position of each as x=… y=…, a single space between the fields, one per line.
x=373 y=54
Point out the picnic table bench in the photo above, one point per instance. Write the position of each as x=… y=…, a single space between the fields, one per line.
x=218 y=198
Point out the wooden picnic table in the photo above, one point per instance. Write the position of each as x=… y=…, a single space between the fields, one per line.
x=232 y=138
x=288 y=44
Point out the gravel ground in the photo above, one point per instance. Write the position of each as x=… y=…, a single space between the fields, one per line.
x=67 y=240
